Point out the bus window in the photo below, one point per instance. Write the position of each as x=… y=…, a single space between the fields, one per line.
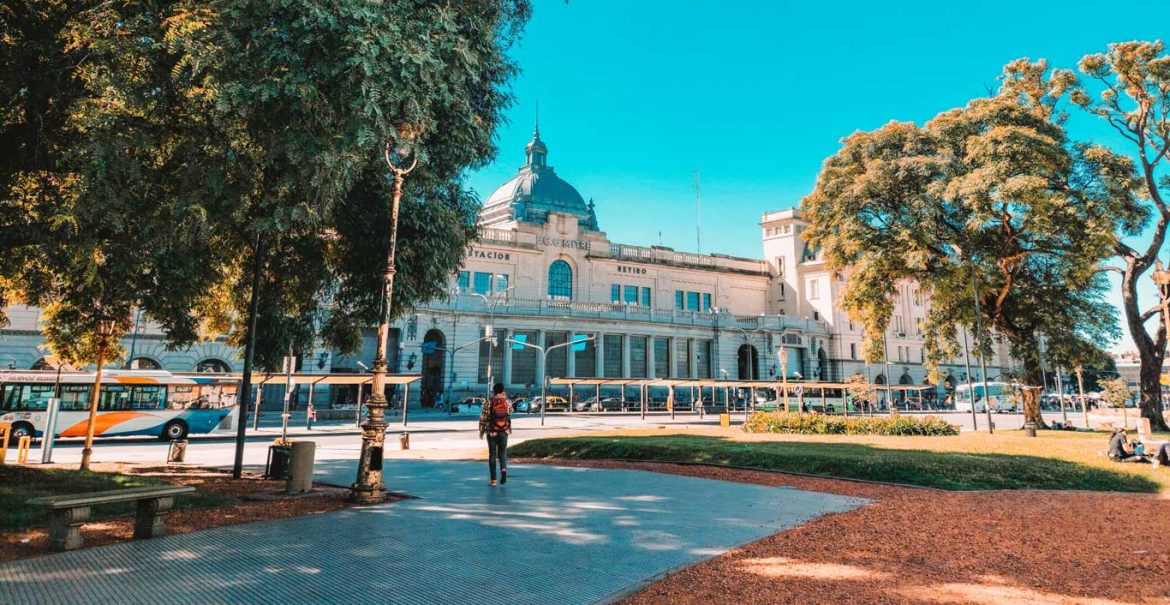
x=75 y=397
x=147 y=397
x=113 y=397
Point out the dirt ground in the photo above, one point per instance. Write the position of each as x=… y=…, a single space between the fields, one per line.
x=256 y=499
x=932 y=546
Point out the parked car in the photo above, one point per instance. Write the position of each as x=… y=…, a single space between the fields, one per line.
x=516 y=403
x=585 y=405
x=470 y=405
x=608 y=404
x=555 y=403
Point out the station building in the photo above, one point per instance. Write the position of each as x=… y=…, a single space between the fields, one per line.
x=543 y=270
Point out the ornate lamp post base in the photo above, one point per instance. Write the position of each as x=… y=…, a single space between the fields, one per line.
x=368 y=489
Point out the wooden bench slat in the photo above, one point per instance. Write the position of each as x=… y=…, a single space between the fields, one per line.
x=118 y=495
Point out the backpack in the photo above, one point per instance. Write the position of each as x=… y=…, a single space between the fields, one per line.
x=499 y=413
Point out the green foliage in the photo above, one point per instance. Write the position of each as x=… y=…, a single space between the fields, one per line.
x=820 y=424
x=993 y=193
x=1115 y=392
x=861 y=391
x=160 y=145
x=945 y=470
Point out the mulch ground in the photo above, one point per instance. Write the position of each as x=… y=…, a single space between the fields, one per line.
x=256 y=499
x=933 y=546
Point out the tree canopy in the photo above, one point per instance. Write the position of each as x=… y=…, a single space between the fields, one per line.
x=994 y=196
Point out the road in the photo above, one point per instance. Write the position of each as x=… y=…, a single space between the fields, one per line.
x=432 y=435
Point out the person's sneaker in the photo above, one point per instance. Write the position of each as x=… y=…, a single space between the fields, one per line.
x=503 y=476
x=492 y=482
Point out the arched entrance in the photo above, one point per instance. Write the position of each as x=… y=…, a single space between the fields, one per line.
x=749 y=362
x=434 y=349
x=822 y=365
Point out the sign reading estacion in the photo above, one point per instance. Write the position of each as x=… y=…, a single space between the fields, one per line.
x=578 y=244
x=488 y=254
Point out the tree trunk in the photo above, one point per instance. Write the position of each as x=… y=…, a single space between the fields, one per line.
x=1030 y=391
x=1151 y=351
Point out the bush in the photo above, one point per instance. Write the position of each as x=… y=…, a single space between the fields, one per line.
x=818 y=424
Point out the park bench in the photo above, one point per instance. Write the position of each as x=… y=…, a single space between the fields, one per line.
x=70 y=511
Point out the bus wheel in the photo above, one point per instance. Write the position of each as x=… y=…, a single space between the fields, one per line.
x=174 y=431
x=20 y=429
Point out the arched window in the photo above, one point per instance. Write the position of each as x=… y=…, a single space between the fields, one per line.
x=212 y=365
x=144 y=363
x=560 y=280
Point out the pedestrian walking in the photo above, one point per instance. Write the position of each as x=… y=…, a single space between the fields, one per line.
x=496 y=422
x=310 y=416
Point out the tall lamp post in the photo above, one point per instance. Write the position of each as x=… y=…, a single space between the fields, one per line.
x=978 y=331
x=543 y=351
x=782 y=353
x=368 y=487
x=491 y=299
x=105 y=332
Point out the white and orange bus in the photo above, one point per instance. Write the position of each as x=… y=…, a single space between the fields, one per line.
x=131 y=402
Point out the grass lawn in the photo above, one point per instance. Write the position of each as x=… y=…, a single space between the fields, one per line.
x=974 y=461
x=18 y=484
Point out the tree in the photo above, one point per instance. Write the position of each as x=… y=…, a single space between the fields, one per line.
x=990 y=196
x=861 y=391
x=1116 y=394
x=1134 y=98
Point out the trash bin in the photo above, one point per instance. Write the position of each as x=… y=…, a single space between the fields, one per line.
x=277 y=467
x=725 y=420
x=300 y=467
x=1030 y=429
x=177 y=451
x=404 y=440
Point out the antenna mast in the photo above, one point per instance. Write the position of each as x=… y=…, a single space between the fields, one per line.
x=698 y=215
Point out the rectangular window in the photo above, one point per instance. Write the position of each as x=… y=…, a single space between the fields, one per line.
x=556 y=363
x=703 y=359
x=814 y=292
x=587 y=360
x=706 y=301
x=682 y=358
x=483 y=283
x=502 y=282
x=678 y=300
x=464 y=280
x=783 y=293
x=662 y=358
x=692 y=301
x=780 y=266
x=524 y=360
x=899 y=353
x=645 y=297
x=615 y=293
x=852 y=350
x=638 y=357
x=631 y=295
x=612 y=356
x=491 y=359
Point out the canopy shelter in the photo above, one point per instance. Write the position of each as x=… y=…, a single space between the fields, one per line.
x=299 y=378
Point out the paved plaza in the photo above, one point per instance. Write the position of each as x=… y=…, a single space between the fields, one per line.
x=551 y=535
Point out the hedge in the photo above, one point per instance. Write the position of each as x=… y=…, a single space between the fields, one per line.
x=819 y=424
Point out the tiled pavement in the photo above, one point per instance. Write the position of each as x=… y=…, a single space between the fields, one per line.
x=551 y=535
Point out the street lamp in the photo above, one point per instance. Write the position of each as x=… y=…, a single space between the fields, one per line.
x=782 y=353
x=543 y=363
x=492 y=299
x=105 y=332
x=978 y=331
x=368 y=486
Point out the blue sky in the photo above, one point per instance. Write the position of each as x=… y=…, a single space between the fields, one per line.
x=635 y=96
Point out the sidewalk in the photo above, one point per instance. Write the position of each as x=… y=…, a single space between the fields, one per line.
x=551 y=535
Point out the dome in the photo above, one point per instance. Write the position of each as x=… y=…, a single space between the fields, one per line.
x=534 y=192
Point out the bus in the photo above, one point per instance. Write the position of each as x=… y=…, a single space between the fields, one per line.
x=131 y=402
x=1002 y=397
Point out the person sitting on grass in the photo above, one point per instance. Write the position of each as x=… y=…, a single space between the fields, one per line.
x=1119 y=450
x=1162 y=456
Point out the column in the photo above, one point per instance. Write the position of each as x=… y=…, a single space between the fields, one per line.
x=570 y=359
x=650 y=356
x=506 y=370
x=599 y=355
x=539 y=358
x=671 y=353
x=626 y=356
x=692 y=353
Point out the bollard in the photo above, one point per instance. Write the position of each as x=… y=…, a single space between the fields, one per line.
x=177 y=451
x=404 y=440
x=5 y=435
x=300 y=467
x=22 y=449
